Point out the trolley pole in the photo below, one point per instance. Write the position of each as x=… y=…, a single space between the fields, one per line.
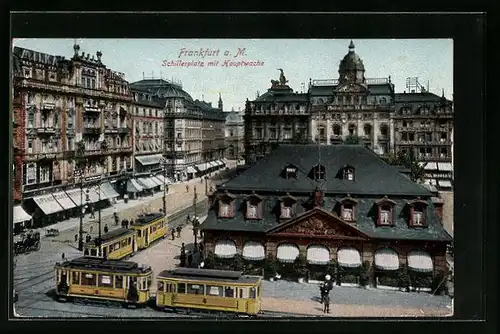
x=195 y=232
x=164 y=187
x=80 y=231
x=99 y=217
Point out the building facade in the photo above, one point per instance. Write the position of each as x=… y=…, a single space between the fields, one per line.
x=193 y=130
x=329 y=212
x=235 y=135
x=354 y=109
x=59 y=103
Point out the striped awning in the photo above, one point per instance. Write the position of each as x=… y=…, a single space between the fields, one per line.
x=349 y=257
x=48 y=204
x=287 y=253
x=108 y=189
x=225 y=249
x=133 y=186
x=20 y=215
x=318 y=254
x=253 y=250
x=63 y=199
x=445 y=166
x=191 y=170
x=420 y=261
x=156 y=180
x=387 y=259
x=147 y=160
x=202 y=166
x=76 y=197
x=162 y=179
x=146 y=183
x=444 y=183
x=430 y=166
x=210 y=164
x=224 y=160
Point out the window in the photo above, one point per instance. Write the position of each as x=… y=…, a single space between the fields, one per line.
x=229 y=292
x=444 y=137
x=291 y=172
x=44 y=174
x=385 y=214
x=89 y=279
x=348 y=212
x=224 y=210
x=181 y=287
x=30 y=146
x=243 y=292
x=286 y=212
x=418 y=217
x=195 y=289
x=252 y=210
x=75 y=278
x=349 y=174
x=105 y=281
x=317 y=173
x=337 y=130
x=214 y=290
x=161 y=287
x=253 y=293
x=118 y=281
x=443 y=152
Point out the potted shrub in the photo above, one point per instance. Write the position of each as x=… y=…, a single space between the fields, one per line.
x=209 y=261
x=365 y=274
x=270 y=267
x=301 y=268
x=403 y=279
x=238 y=264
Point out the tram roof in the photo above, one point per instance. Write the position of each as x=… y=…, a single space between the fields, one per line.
x=112 y=235
x=209 y=275
x=147 y=218
x=101 y=264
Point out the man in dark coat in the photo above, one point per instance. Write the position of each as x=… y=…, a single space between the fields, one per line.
x=183 y=259
x=200 y=247
x=326 y=301
x=106 y=228
x=178 y=229
x=173 y=234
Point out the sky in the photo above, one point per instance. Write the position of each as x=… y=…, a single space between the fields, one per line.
x=431 y=60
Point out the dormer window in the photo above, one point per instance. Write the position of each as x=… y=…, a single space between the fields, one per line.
x=317 y=173
x=289 y=172
x=348 y=173
x=385 y=211
x=348 y=208
x=418 y=210
x=254 y=207
x=226 y=205
x=287 y=207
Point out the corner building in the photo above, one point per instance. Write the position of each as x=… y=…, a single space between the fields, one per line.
x=328 y=210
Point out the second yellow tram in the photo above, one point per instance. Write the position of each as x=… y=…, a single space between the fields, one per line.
x=149 y=228
x=115 y=245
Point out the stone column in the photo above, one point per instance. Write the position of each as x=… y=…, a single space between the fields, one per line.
x=270 y=248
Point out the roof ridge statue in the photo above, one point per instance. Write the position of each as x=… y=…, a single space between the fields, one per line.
x=282 y=80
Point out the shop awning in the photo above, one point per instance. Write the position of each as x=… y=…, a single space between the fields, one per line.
x=420 y=261
x=146 y=183
x=212 y=164
x=162 y=179
x=225 y=249
x=93 y=194
x=133 y=186
x=220 y=162
x=444 y=183
x=191 y=170
x=202 y=166
x=63 y=199
x=445 y=166
x=20 y=215
x=224 y=161
x=156 y=180
x=147 y=160
x=48 y=204
x=108 y=189
x=254 y=250
x=430 y=166
x=287 y=252
x=318 y=254
x=386 y=259
x=74 y=194
x=349 y=257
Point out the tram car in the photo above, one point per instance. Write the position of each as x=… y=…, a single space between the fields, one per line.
x=149 y=228
x=114 y=245
x=106 y=280
x=208 y=290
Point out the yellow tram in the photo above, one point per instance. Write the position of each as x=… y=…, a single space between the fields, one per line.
x=149 y=228
x=209 y=290
x=108 y=280
x=114 y=245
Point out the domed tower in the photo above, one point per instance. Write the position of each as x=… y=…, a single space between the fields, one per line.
x=220 y=105
x=351 y=69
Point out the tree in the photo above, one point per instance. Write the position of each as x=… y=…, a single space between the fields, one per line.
x=417 y=172
x=352 y=140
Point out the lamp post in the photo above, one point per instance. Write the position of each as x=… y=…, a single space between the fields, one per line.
x=164 y=163
x=80 y=163
x=194 y=221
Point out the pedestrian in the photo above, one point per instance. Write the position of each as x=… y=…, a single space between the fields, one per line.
x=190 y=259
x=63 y=256
x=194 y=189
x=187 y=188
x=91 y=227
x=173 y=234
x=183 y=249
x=178 y=229
x=123 y=223
x=76 y=237
x=126 y=223
x=183 y=259
x=326 y=301
x=114 y=210
x=106 y=228
x=116 y=220
x=92 y=213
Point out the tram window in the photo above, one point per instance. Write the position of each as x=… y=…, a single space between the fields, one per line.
x=89 y=279
x=119 y=281
x=76 y=278
x=129 y=241
x=124 y=242
x=86 y=252
x=229 y=292
x=169 y=287
x=214 y=290
x=253 y=293
x=195 y=289
x=181 y=287
x=117 y=245
x=139 y=233
x=93 y=252
x=106 y=281
x=111 y=248
x=149 y=282
x=243 y=292
x=160 y=287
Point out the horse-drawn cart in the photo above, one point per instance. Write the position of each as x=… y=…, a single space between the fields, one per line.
x=52 y=232
x=27 y=242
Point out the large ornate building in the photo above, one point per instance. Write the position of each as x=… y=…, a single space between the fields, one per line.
x=193 y=129
x=352 y=107
x=235 y=134
x=58 y=103
x=322 y=203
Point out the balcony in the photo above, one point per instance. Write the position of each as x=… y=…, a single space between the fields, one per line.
x=46 y=130
x=124 y=131
x=90 y=130
x=383 y=138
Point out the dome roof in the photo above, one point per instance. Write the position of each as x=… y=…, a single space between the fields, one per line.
x=351 y=61
x=161 y=88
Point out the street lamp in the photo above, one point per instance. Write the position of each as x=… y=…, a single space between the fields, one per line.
x=163 y=161
x=80 y=163
x=195 y=222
